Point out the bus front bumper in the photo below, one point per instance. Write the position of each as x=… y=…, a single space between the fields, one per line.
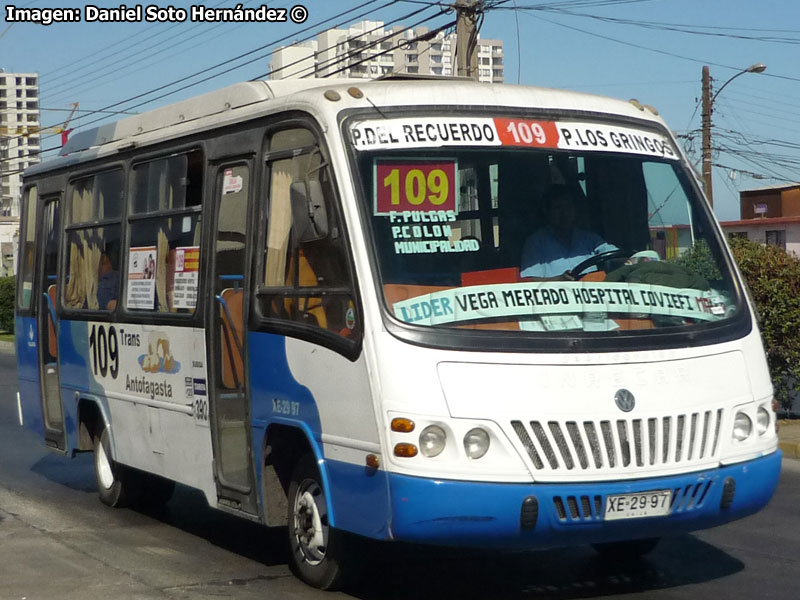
x=476 y=514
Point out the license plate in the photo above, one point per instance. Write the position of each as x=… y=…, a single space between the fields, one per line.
x=634 y=506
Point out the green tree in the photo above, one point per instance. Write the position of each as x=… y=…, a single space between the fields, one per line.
x=699 y=261
x=773 y=277
x=7 y=294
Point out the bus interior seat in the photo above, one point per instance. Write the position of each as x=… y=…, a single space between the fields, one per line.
x=307 y=276
x=232 y=337
x=52 y=347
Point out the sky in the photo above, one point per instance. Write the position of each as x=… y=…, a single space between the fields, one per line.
x=652 y=50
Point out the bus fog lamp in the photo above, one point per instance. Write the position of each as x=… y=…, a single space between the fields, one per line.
x=762 y=420
x=742 y=427
x=476 y=443
x=432 y=441
x=405 y=450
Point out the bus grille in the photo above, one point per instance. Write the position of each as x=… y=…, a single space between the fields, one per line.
x=621 y=444
x=585 y=509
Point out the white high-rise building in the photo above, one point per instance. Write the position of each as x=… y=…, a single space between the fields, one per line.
x=368 y=50
x=19 y=148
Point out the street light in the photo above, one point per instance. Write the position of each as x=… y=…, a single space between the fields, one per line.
x=708 y=105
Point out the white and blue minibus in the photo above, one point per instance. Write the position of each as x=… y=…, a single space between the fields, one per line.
x=433 y=311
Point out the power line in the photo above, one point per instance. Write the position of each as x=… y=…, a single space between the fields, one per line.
x=105 y=55
x=226 y=62
x=642 y=47
x=97 y=75
x=148 y=65
x=86 y=110
x=688 y=29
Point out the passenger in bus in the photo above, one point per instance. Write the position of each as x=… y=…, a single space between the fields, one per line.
x=107 y=283
x=552 y=251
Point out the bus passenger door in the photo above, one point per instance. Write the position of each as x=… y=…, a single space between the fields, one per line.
x=227 y=342
x=47 y=322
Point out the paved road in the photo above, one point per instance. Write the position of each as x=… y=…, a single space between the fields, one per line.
x=58 y=541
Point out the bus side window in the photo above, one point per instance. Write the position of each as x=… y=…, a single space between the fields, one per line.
x=93 y=242
x=306 y=276
x=27 y=253
x=164 y=250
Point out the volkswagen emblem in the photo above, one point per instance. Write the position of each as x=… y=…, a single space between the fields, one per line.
x=625 y=400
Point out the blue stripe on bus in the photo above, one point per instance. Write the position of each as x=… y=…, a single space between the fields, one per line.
x=271 y=380
x=358 y=498
x=28 y=373
x=462 y=513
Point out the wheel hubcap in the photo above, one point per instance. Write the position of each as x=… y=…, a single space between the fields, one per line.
x=104 y=473
x=311 y=522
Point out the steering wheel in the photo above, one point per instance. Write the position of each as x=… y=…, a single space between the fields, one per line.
x=595 y=260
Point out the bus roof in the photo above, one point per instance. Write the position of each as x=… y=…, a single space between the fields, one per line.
x=251 y=99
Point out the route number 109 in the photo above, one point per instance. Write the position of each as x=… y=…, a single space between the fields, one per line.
x=524 y=133
x=417 y=186
x=104 y=348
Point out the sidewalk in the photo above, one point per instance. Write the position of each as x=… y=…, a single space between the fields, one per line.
x=789 y=437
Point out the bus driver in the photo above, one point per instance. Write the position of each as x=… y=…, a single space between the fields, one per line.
x=550 y=252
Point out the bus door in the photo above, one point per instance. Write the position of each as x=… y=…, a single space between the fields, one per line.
x=47 y=322
x=227 y=342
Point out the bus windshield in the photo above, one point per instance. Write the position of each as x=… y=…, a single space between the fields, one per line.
x=537 y=226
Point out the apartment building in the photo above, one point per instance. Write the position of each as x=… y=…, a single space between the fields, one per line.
x=19 y=147
x=368 y=50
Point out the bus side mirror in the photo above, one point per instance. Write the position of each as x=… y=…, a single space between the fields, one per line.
x=309 y=218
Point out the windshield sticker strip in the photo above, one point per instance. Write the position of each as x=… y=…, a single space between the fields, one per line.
x=528 y=299
x=428 y=132
x=437 y=132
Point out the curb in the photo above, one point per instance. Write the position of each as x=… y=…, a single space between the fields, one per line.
x=790 y=449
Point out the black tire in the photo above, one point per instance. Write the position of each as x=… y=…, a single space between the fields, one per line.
x=627 y=550
x=317 y=553
x=113 y=480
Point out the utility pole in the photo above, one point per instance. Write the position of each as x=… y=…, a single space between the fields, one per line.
x=466 y=39
x=707 y=183
x=708 y=108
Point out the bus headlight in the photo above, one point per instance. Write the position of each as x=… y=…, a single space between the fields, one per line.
x=432 y=441
x=476 y=443
x=762 y=420
x=742 y=427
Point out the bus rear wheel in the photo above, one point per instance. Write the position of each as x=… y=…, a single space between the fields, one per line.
x=113 y=479
x=317 y=551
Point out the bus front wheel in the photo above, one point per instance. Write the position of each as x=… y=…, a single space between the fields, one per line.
x=317 y=551
x=113 y=479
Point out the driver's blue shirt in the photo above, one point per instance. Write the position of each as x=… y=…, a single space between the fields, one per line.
x=545 y=255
